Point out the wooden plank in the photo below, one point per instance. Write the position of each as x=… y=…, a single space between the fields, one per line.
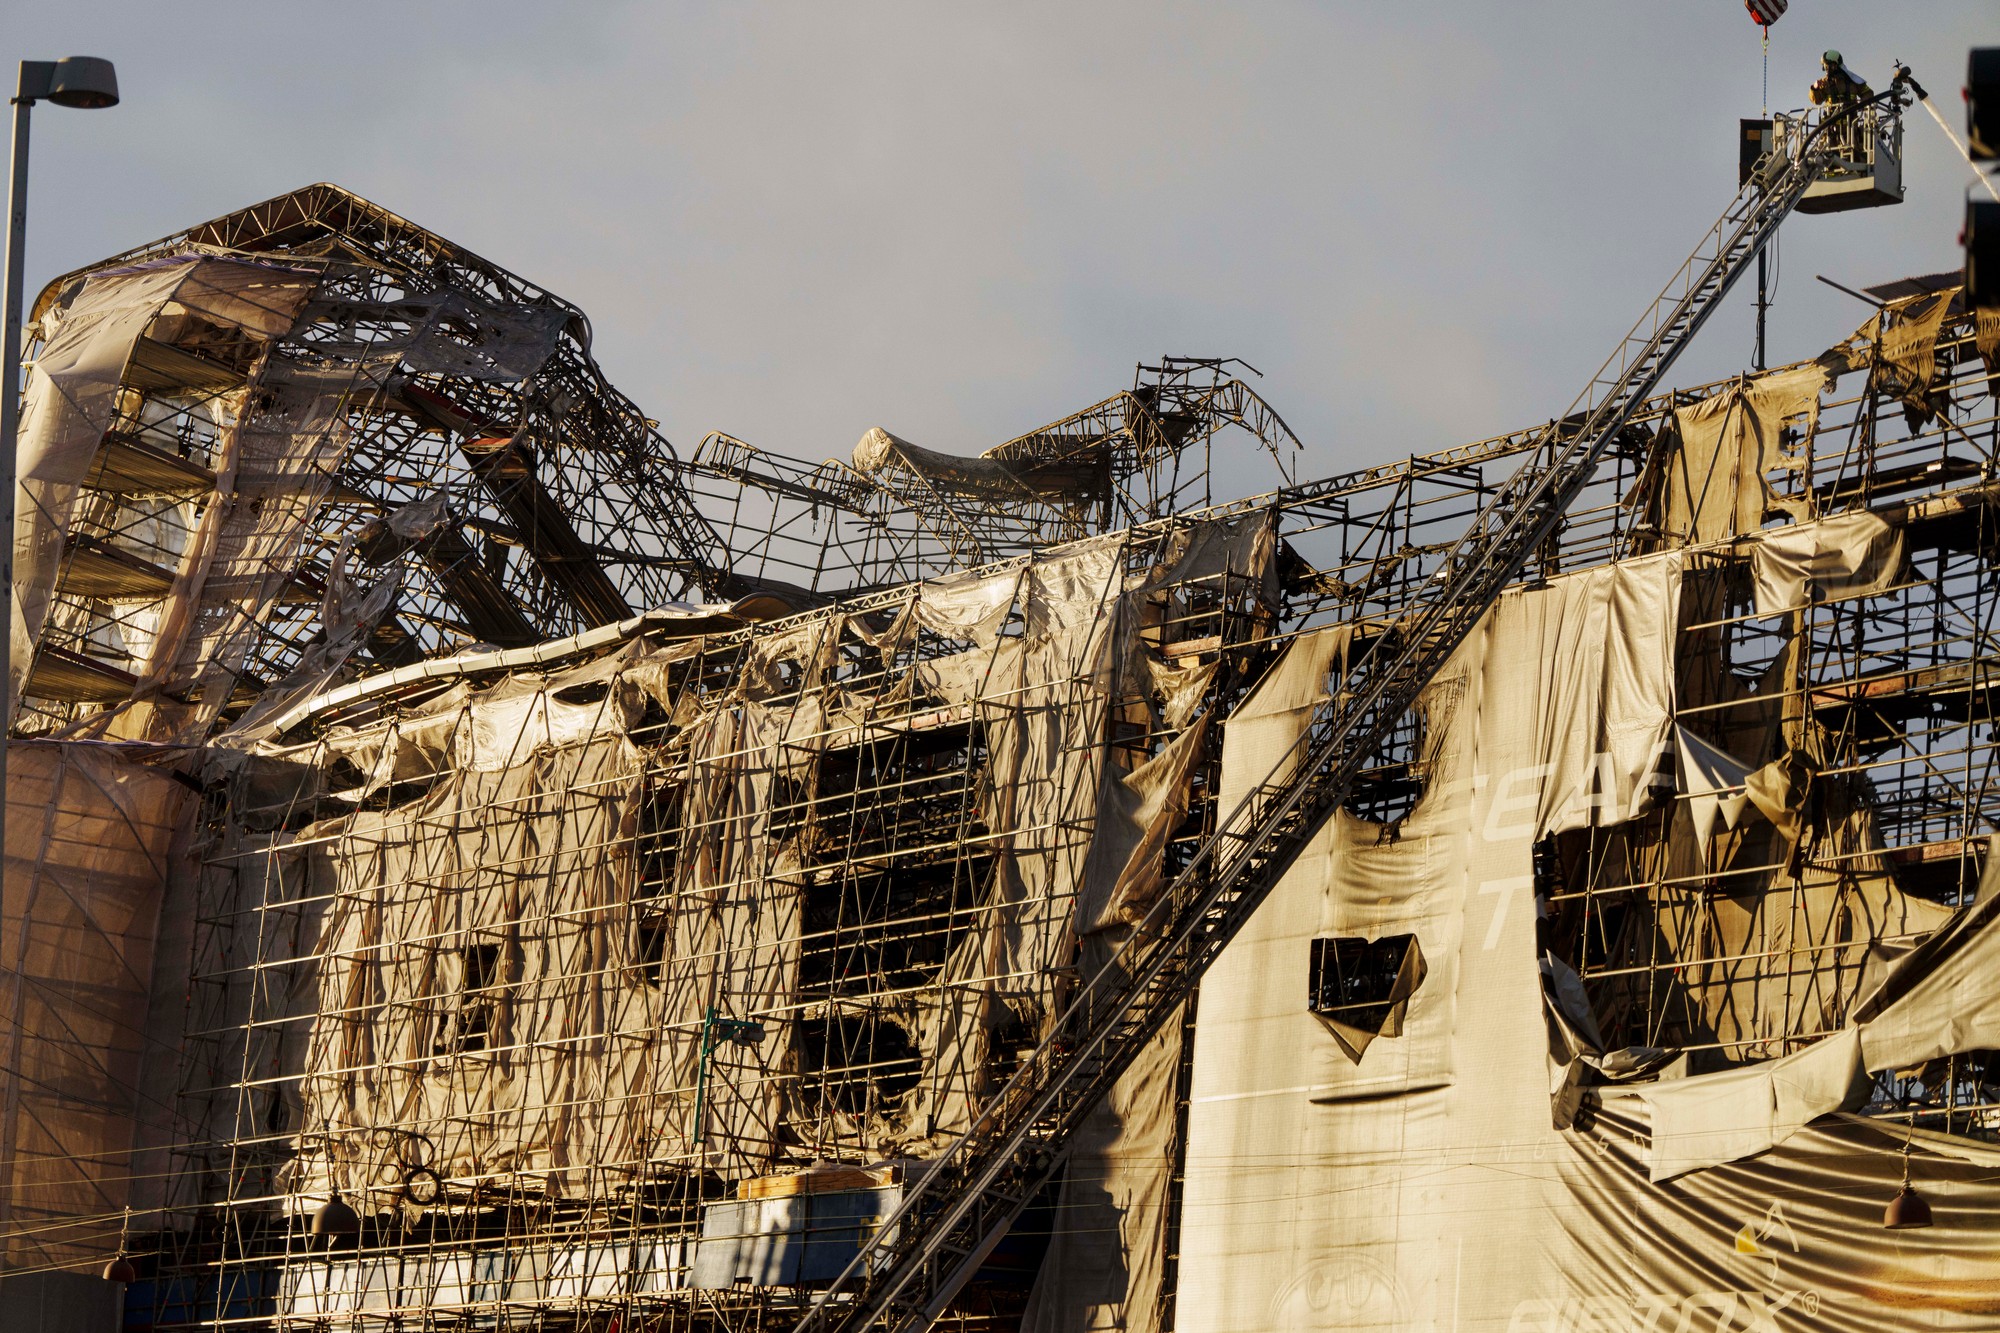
x=97 y=569
x=127 y=466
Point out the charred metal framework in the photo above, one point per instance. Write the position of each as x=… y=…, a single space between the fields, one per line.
x=476 y=468
x=565 y=513
x=906 y=513
x=536 y=499
x=1895 y=689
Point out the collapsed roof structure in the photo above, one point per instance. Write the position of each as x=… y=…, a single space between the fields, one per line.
x=470 y=866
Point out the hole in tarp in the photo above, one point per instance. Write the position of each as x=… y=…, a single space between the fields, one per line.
x=1361 y=988
x=478 y=1001
x=858 y=1064
x=586 y=692
x=649 y=941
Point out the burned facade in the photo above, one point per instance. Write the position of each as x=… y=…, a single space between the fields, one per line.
x=487 y=870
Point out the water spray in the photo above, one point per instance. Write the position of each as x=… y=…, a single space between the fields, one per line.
x=1904 y=77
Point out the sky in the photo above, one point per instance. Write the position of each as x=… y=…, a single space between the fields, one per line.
x=1425 y=224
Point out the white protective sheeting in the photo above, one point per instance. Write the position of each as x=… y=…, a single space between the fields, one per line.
x=1943 y=997
x=970 y=605
x=1106 y=1262
x=73 y=394
x=70 y=402
x=1713 y=782
x=1389 y=1193
x=1849 y=555
x=1261 y=730
x=1105 y=1268
x=1325 y=1193
x=1603 y=715
x=1137 y=812
x=985 y=477
x=503 y=1072
x=1042 y=704
x=1240 y=548
x=1722 y=789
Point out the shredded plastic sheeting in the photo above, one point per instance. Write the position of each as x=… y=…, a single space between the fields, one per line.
x=1943 y=998
x=1986 y=337
x=1907 y=335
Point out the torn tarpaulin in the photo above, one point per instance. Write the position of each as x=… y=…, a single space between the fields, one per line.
x=1702 y=1122
x=1942 y=998
x=1906 y=350
x=1717 y=479
x=1849 y=555
x=1719 y=786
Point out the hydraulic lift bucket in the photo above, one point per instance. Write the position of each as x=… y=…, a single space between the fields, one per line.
x=1868 y=172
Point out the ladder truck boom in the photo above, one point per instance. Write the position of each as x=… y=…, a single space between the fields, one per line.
x=947 y=1223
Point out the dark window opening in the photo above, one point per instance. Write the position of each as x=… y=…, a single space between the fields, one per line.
x=658 y=846
x=478 y=1000
x=588 y=692
x=1361 y=988
x=868 y=932
x=482 y=967
x=650 y=939
x=856 y=1064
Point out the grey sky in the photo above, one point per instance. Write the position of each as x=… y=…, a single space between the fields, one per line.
x=1426 y=223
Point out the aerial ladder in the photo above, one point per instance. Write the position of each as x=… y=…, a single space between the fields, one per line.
x=948 y=1222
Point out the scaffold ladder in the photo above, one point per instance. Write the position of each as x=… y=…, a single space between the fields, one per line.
x=950 y=1220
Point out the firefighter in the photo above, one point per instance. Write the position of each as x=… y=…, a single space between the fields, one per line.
x=1838 y=85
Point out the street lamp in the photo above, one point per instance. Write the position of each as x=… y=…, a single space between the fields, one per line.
x=79 y=81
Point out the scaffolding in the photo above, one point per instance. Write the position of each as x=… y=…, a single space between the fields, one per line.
x=752 y=903
x=790 y=896
x=310 y=438
x=897 y=512
x=614 y=879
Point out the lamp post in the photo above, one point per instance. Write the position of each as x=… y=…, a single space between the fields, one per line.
x=79 y=81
